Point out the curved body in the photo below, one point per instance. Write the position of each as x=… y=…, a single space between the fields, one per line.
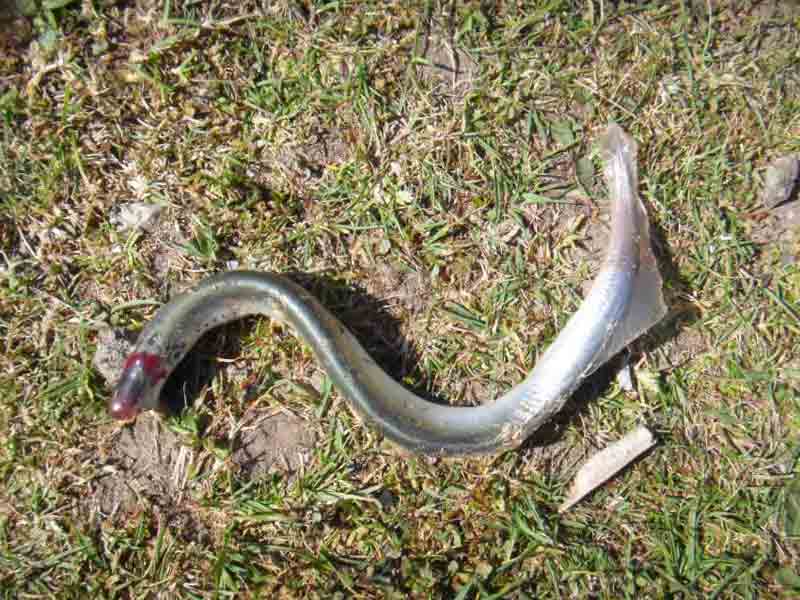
x=624 y=301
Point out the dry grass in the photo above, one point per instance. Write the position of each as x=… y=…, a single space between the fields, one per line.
x=431 y=170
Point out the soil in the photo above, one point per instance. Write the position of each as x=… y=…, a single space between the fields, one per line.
x=144 y=465
x=279 y=442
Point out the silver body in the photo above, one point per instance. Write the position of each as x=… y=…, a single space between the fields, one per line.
x=624 y=301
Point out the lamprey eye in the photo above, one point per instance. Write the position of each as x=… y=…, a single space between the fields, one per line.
x=149 y=364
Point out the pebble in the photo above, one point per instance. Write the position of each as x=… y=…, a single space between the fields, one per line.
x=780 y=180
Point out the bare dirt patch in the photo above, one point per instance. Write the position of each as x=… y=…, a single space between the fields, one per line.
x=781 y=227
x=452 y=69
x=407 y=289
x=279 y=442
x=304 y=161
x=680 y=349
x=145 y=466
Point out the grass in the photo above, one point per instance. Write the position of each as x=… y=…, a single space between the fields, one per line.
x=447 y=216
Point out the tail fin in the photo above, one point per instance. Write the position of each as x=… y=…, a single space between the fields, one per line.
x=647 y=305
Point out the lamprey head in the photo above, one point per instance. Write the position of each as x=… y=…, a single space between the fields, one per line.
x=139 y=386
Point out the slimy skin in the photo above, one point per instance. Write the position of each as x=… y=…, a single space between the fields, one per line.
x=625 y=300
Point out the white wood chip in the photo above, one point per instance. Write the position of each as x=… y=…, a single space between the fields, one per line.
x=607 y=463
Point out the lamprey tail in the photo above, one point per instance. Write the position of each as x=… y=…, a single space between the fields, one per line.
x=647 y=305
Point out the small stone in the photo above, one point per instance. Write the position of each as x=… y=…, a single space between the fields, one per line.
x=112 y=347
x=780 y=180
x=136 y=215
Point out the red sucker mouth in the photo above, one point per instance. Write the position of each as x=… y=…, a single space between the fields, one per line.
x=122 y=410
